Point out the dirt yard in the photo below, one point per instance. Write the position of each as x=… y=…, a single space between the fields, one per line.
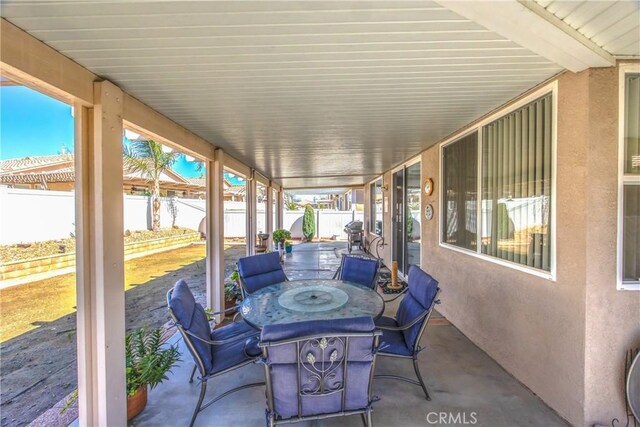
x=37 y=331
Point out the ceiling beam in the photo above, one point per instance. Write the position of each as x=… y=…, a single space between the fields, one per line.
x=533 y=27
x=144 y=120
x=28 y=61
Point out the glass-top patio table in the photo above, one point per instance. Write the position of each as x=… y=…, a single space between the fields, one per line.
x=312 y=299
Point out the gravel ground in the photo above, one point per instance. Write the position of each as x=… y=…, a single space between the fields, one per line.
x=38 y=348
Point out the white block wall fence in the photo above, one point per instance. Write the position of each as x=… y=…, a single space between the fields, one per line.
x=37 y=215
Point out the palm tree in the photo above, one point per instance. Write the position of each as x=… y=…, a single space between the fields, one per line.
x=148 y=158
x=289 y=204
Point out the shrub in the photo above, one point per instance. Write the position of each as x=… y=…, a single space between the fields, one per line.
x=409 y=230
x=308 y=223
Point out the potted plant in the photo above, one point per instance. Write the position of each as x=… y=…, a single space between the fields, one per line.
x=231 y=295
x=288 y=247
x=280 y=236
x=147 y=364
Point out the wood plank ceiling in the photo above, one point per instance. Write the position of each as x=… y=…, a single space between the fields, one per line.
x=612 y=25
x=323 y=93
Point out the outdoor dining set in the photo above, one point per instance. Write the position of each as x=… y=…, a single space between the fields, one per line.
x=317 y=339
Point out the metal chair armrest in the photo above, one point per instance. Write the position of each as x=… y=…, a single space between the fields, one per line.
x=222 y=342
x=407 y=326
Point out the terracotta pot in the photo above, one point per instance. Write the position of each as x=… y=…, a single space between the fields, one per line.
x=228 y=303
x=137 y=402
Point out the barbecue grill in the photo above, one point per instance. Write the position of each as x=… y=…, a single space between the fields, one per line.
x=354 y=234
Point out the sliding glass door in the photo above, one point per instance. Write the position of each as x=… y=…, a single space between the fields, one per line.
x=406 y=218
x=398 y=230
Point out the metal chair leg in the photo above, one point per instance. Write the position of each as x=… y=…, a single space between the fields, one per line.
x=270 y=419
x=193 y=372
x=203 y=391
x=424 y=387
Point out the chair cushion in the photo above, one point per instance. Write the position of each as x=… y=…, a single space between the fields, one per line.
x=392 y=342
x=359 y=349
x=259 y=271
x=182 y=303
x=228 y=355
x=422 y=286
x=359 y=270
x=422 y=291
x=192 y=317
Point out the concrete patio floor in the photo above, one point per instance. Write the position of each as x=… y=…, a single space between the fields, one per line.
x=467 y=386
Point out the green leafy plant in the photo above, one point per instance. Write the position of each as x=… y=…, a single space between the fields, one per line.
x=148 y=158
x=232 y=291
x=235 y=276
x=280 y=235
x=288 y=243
x=308 y=223
x=147 y=361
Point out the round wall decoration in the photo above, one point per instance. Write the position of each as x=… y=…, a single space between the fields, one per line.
x=428 y=186
x=428 y=212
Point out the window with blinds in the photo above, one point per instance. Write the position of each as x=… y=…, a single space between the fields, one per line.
x=516 y=186
x=631 y=182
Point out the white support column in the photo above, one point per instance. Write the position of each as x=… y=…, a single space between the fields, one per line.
x=280 y=208
x=100 y=259
x=215 y=232
x=252 y=220
x=269 y=214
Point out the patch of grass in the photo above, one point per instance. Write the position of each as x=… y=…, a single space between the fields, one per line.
x=27 y=307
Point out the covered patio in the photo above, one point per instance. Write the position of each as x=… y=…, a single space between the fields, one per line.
x=496 y=144
x=464 y=380
x=466 y=384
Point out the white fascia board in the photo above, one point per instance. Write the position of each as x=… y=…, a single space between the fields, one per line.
x=533 y=27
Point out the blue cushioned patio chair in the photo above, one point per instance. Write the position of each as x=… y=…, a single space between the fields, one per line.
x=401 y=336
x=319 y=369
x=259 y=271
x=363 y=271
x=214 y=352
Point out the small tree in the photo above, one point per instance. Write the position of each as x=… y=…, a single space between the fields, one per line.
x=148 y=158
x=308 y=223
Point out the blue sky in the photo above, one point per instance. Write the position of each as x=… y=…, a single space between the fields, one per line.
x=33 y=124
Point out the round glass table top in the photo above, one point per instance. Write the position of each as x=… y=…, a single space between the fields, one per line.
x=313 y=299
